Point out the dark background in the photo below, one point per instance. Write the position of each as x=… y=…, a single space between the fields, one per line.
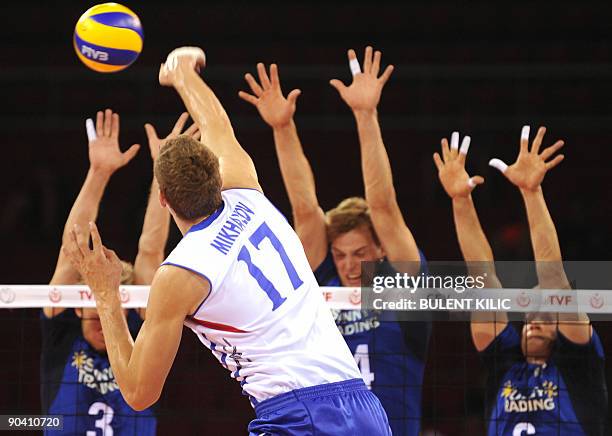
x=483 y=68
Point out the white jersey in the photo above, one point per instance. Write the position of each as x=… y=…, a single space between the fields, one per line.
x=265 y=318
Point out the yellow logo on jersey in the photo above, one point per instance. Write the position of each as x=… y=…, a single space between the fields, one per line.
x=541 y=397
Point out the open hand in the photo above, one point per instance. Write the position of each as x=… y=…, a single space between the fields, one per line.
x=364 y=93
x=528 y=171
x=104 y=152
x=451 y=168
x=155 y=142
x=276 y=110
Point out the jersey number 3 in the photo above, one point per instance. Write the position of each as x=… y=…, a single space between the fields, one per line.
x=104 y=421
x=263 y=232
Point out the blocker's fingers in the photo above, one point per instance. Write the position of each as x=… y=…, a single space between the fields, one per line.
x=274 y=75
x=191 y=130
x=475 y=181
x=90 y=129
x=114 y=126
x=553 y=163
x=253 y=84
x=549 y=151
x=130 y=153
x=386 y=74
x=263 y=76
x=376 y=63
x=180 y=123
x=454 y=145
x=537 y=141
x=248 y=97
x=151 y=132
x=465 y=145
x=353 y=63
x=438 y=161
x=108 y=116
x=499 y=164
x=293 y=95
x=95 y=237
x=445 y=150
x=99 y=123
x=525 y=139
x=367 y=59
x=338 y=85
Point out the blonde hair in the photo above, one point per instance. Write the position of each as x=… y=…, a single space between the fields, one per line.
x=352 y=213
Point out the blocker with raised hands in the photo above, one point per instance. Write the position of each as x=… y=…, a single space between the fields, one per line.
x=274 y=108
x=528 y=172
x=363 y=94
x=451 y=167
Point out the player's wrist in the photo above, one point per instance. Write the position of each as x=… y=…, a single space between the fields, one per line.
x=284 y=126
x=365 y=114
x=462 y=200
x=527 y=193
x=107 y=298
x=100 y=172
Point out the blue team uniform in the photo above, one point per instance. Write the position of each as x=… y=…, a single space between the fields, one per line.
x=391 y=354
x=78 y=383
x=565 y=396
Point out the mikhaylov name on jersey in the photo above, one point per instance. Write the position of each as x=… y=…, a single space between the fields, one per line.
x=232 y=228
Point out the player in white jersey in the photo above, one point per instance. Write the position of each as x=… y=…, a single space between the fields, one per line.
x=239 y=278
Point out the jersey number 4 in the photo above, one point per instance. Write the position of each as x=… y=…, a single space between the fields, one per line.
x=362 y=358
x=263 y=232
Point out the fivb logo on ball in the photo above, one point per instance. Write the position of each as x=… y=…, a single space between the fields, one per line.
x=108 y=37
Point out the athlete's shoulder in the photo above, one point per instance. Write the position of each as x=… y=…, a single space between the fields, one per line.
x=251 y=196
x=178 y=288
x=326 y=273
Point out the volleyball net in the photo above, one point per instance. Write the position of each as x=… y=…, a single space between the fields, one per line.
x=199 y=397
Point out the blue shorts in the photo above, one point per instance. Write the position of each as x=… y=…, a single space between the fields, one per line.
x=342 y=408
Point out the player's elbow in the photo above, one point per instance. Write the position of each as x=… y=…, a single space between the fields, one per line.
x=306 y=209
x=383 y=205
x=141 y=399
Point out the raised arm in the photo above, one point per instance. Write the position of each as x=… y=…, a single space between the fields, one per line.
x=105 y=157
x=277 y=111
x=140 y=367
x=474 y=245
x=155 y=227
x=527 y=174
x=181 y=72
x=363 y=96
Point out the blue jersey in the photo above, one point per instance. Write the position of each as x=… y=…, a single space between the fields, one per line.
x=78 y=382
x=390 y=354
x=565 y=396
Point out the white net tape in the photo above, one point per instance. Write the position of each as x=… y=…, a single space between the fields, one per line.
x=340 y=298
x=28 y=296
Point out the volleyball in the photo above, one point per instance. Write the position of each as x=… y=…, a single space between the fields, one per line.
x=108 y=37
